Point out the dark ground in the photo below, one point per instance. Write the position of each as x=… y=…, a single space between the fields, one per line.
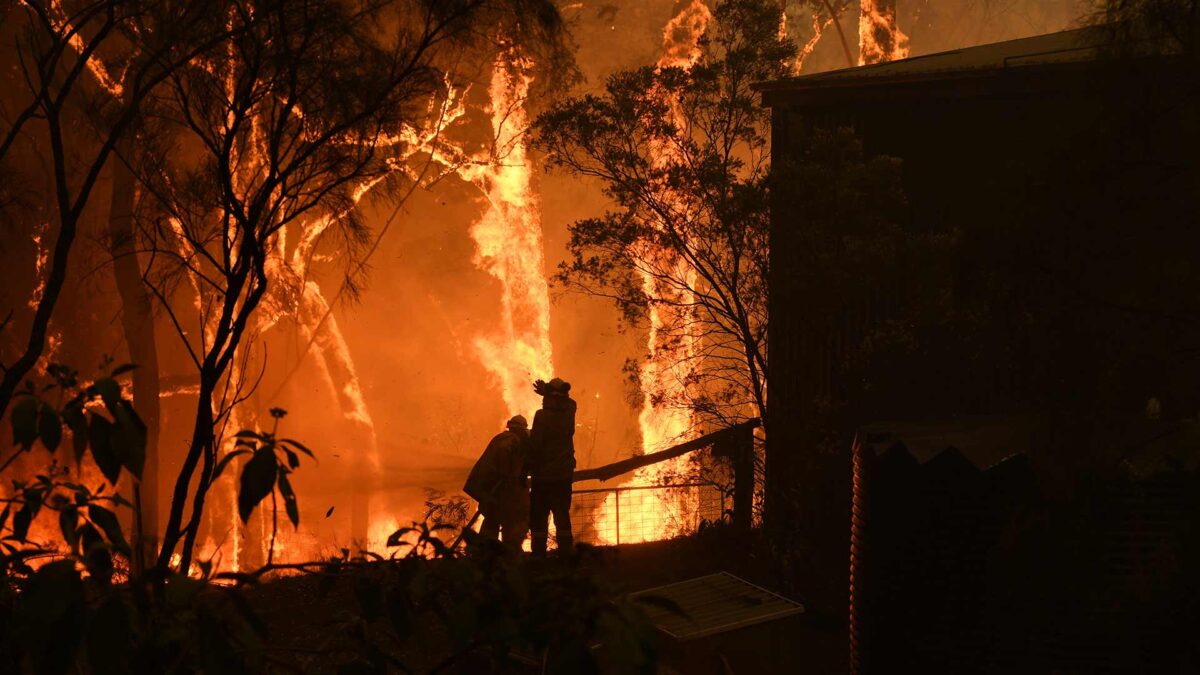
x=305 y=635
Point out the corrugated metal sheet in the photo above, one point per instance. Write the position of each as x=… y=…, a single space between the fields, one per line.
x=714 y=604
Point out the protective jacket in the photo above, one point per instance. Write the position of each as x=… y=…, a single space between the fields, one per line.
x=497 y=481
x=551 y=440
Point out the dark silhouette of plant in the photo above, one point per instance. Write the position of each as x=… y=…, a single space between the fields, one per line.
x=79 y=610
x=88 y=604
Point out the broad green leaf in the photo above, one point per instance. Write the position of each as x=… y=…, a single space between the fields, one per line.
x=24 y=422
x=49 y=427
x=258 y=480
x=289 y=498
x=100 y=438
x=107 y=520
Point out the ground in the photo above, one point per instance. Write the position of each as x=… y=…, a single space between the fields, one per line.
x=299 y=614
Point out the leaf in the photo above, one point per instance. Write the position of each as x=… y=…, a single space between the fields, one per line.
x=22 y=521
x=77 y=423
x=100 y=437
x=327 y=514
x=298 y=445
x=289 y=498
x=258 y=480
x=68 y=521
x=49 y=427
x=108 y=638
x=4 y=516
x=121 y=501
x=396 y=538
x=226 y=460
x=107 y=520
x=130 y=439
x=123 y=368
x=108 y=389
x=24 y=422
x=293 y=460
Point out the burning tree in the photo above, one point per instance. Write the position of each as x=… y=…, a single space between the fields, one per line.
x=681 y=149
x=67 y=51
x=284 y=130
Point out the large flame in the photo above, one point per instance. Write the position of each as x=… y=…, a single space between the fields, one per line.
x=649 y=515
x=508 y=241
x=879 y=37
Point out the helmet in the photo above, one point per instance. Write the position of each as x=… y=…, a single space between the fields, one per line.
x=517 y=422
x=559 y=385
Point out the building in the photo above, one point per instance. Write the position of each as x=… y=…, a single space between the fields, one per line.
x=1041 y=262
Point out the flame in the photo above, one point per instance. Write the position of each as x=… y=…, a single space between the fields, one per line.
x=41 y=257
x=508 y=243
x=819 y=24
x=115 y=87
x=653 y=515
x=879 y=38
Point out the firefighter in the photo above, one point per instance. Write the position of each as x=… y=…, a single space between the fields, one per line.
x=498 y=483
x=551 y=465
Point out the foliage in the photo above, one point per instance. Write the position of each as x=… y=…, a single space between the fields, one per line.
x=78 y=611
x=1139 y=27
x=484 y=612
x=682 y=153
x=79 y=607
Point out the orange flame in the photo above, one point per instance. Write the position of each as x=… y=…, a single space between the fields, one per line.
x=879 y=37
x=508 y=240
x=666 y=369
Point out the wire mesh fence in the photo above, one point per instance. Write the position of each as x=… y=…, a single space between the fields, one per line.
x=629 y=515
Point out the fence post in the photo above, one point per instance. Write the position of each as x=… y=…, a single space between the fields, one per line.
x=617 y=496
x=743 y=478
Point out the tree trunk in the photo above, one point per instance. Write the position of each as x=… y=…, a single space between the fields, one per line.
x=138 y=324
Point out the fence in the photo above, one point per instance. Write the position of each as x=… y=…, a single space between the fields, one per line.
x=629 y=515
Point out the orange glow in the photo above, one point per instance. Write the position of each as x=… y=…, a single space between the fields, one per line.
x=508 y=243
x=668 y=356
x=819 y=24
x=879 y=37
